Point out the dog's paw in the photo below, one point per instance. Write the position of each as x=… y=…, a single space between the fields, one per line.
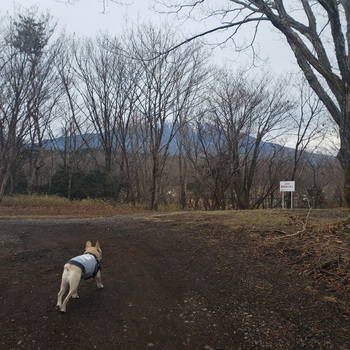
x=61 y=309
x=100 y=286
x=75 y=296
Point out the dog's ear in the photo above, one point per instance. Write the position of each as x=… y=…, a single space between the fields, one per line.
x=97 y=246
x=88 y=245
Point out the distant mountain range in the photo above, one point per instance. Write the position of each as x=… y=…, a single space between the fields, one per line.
x=73 y=142
x=92 y=141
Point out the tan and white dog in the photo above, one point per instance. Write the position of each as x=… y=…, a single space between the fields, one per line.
x=81 y=267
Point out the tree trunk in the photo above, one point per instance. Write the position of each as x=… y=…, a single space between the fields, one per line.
x=182 y=180
x=344 y=151
x=4 y=181
x=7 y=160
x=154 y=185
x=344 y=158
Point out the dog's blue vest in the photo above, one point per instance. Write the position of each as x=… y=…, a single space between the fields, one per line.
x=88 y=264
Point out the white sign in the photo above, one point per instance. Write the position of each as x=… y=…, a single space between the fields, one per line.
x=287 y=186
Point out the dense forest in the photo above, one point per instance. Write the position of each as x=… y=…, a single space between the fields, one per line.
x=116 y=118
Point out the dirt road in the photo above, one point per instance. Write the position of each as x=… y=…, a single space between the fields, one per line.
x=169 y=284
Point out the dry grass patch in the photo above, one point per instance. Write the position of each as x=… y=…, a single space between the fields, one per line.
x=51 y=207
x=268 y=220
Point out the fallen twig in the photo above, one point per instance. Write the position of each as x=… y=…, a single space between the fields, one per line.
x=304 y=226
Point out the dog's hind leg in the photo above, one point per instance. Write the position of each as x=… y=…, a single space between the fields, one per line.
x=63 y=290
x=72 y=291
x=98 y=280
x=69 y=283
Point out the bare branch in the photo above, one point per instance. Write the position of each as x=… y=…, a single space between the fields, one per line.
x=210 y=31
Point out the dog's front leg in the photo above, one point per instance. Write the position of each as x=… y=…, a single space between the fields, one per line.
x=98 y=280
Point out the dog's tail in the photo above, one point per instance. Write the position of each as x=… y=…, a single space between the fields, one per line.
x=67 y=270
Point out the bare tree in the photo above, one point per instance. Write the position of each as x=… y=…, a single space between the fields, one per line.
x=275 y=164
x=69 y=115
x=242 y=113
x=25 y=87
x=318 y=33
x=95 y=70
x=165 y=81
x=310 y=125
x=107 y=88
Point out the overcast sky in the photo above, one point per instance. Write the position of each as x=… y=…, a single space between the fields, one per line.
x=85 y=18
